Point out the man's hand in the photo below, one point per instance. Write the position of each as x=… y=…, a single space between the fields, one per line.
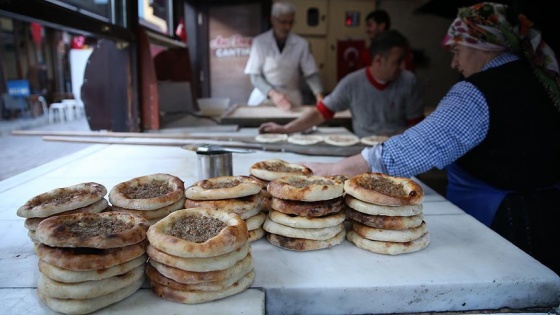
x=272 y=127
x=280 y=100
x=350 y=166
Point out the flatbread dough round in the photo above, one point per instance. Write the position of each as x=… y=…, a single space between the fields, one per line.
x=193 y=277
x=374 y=209
x=148 y=192
x=302 y=244
x=373 y=140
x=256 y=234
x=256 y=221
x=93 y=230
x=156 y=213
x=198 y=232
x=83 y=258
x=296 y=221
x=305 y=139
x=235 y=205
x=387 y=235
x=307 y=208
x=195 y=297
x=271 y=137
x=96 y=207
x=222 y=187
x=72 y=276
x=86 y=306
x=342 y=140
x=62 y=199
x=388 y=248
x=306 y=188
x=383 y=189
x=385 y=221
x=320 y=234
x=157 y=277
x=89 y=289
x=199 y=264
x=275 y=168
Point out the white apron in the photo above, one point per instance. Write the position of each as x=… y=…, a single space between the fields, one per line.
x=284 y=75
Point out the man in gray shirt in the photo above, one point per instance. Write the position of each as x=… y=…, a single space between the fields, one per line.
x=383 y=98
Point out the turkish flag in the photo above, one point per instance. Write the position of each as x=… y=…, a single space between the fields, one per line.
x=37 y=32
x=181 y=31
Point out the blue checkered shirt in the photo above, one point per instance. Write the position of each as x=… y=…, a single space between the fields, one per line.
x=459 y=123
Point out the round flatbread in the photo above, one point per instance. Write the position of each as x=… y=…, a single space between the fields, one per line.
x=385 y=221
x=93 y=230
x=157 y=277
x=86 y=306
x=198 y=232
x=96 y=207
x=320 y=234
x=373 y=209
x=307 y=208
x=373 y=140
x=305 y=139
x=195 y=297
x=88 y=289
x=400 y=236
x=83 y=258
x=71 y=276
x=191 y=277
x=342 y=140
x=271 y=137
x=222 y=187
x=256 y=221
x=235 y=205
x=302 y=244
x=156 y=213
x=62 y=199
x=148 y=192
x=306 y=188
x=296 y=221
x=382 y=189
x=199 y=264
x=256 y=234
x=388 y=248
x=275 y=168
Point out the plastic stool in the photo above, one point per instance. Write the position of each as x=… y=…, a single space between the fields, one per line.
x=57 y=109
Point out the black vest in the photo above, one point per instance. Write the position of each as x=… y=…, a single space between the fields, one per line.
x=522 y=148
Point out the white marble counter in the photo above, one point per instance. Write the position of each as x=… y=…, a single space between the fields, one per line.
x=466 y=266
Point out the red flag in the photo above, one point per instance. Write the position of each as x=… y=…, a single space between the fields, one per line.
x=181 y=31
x=37 y=32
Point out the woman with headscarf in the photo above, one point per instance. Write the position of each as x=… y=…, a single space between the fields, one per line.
x=497 y=132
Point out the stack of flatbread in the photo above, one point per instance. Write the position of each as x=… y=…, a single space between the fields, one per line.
x=268 y=170
x=234 y=194
x=386 y=214
x=88 y=261
x=152 y=196
x=306 y=212
x=85 y=197
x=199 y=255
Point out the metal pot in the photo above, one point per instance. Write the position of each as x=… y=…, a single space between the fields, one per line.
x=214 y=164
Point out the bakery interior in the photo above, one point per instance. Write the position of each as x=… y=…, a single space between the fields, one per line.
x=141 y=79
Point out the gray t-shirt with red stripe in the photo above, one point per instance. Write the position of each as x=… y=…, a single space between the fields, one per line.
x=377 y=111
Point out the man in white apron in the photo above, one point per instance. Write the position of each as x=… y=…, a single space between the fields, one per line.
x=278 y=60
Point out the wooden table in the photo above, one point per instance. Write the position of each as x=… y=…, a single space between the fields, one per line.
x=254 y=116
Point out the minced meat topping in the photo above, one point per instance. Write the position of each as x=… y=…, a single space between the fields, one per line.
x=281 y=168
x=156 y=188
x=209 y=184
x=384 y=186
x=305 y=183
x=197 y=228
x=89 y=227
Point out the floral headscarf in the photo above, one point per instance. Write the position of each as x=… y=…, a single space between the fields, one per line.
x=484 y=26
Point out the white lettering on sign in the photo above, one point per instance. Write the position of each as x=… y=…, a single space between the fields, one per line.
x=234 y=46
